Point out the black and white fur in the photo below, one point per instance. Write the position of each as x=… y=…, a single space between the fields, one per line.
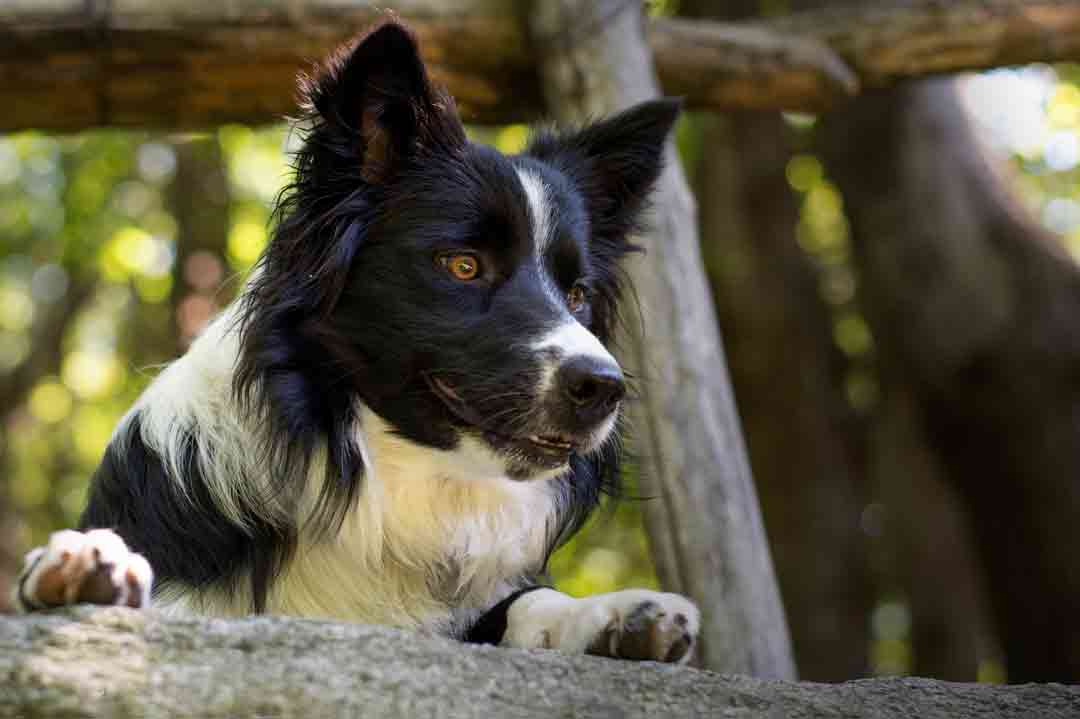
x=365 y=436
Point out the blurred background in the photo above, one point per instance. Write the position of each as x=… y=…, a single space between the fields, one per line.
x=116 y=247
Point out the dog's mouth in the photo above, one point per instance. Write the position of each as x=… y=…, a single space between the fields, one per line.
x=547 y=451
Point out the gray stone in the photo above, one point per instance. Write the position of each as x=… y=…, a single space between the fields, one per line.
x=95 y=662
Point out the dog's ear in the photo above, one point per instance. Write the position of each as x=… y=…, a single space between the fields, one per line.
x=614 y=162
x=377 y=95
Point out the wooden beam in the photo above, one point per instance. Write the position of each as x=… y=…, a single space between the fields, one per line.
x=70 y=64
x=724 y=66
x=885 y=42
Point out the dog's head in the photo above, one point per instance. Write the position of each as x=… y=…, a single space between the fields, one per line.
x=465 y=296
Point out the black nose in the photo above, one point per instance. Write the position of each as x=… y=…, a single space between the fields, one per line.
x=593 y=386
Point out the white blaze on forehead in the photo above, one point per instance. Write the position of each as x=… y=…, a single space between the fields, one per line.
x=542 y=217
x=571 y=339
x=540 y=209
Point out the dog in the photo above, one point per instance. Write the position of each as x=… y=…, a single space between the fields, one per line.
x=411 y=403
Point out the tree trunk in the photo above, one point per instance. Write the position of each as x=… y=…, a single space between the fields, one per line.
x=10 y=561
x=706 y=528
x=922 y=549
x=974 y=309
x=803 y=439
x=788 y=381
x=46 y=340
x=200 y=202
x=932 y=564
x=126 y=664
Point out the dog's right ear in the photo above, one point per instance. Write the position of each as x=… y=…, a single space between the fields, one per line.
x=376 y=95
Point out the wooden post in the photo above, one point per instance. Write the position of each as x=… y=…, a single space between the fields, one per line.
x=705 y=525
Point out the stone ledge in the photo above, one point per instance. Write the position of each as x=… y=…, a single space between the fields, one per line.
x=110 y=662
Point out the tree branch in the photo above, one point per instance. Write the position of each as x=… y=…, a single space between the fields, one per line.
x=175 y=64
x=117 y=663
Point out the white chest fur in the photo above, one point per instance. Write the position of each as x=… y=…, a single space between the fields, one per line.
x=435 y=536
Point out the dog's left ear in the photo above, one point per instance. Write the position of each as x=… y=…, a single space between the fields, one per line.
x=377 y=96
x=614 y=162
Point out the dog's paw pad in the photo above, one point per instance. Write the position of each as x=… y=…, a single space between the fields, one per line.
x=94 y=567
x=661 y=627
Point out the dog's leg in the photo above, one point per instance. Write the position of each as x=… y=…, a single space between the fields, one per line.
x=94 y=566
x=633 y=624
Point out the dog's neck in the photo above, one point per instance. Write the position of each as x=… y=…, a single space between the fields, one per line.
x=432 y=530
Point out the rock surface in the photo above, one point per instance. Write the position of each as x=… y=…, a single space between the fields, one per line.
x=93 y=662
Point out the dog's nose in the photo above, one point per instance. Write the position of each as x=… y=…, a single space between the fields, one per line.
x=592 y=385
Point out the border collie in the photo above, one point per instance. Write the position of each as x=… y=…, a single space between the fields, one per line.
x=411 y=403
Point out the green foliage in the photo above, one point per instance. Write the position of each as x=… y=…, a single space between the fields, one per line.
x=611 y=552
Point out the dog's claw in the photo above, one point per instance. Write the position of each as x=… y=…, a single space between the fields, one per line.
x=94 y=567
x=646 y=632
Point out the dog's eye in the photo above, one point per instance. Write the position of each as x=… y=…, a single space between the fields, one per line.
x=461 y=266
x=575 y=298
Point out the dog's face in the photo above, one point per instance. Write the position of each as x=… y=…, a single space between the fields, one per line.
x=472 y=303
x=465 y=296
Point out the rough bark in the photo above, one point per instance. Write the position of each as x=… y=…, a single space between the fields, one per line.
x=70 y=64
x=705 y=525
x=887 y=41
x=73 y=64
x=975 y=308
x=117 y=663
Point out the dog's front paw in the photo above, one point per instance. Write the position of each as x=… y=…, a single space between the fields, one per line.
x=647 y=626
x=633 y=624
x=94 y=567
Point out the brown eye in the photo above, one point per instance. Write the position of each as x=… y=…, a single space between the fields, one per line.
x=462 y=267
x=575 y=298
